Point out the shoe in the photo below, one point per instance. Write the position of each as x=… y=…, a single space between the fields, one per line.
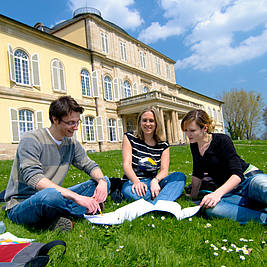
x=62 y=223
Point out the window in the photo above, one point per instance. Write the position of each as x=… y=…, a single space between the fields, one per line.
x=214 y=115
x=220 y=116
x=21 y=67
x=142 y=60
x=209 y=112
x=58 y=77
x=158 y=66
x=85 y=79
x=145 y=89
x=25 y=121
x=111 y=125
x=104 y=40
x=168 y=72
x=123 y=51
x=107 y=88
x=127 y=89
x=89 y=129
x=130 y=125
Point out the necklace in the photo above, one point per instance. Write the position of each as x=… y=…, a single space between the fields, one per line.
x=202 y=148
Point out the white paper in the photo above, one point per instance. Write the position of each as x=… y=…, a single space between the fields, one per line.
x=12 y=237
x=139 y=208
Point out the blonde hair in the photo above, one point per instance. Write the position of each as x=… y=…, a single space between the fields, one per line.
x=158 y=133
x=200 y=117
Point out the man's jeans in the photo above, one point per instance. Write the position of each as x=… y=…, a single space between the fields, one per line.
x=171 y=188
x=245 y=203
x=46 y=205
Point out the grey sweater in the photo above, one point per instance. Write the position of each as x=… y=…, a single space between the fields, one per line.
x=37 y=157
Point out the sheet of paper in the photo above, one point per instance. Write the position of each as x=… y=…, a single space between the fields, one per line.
x=11 y=237
x=140 y=207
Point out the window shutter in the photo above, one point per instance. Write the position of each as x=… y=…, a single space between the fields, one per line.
x=95 y=84
x=11 y=64
x=104 y=89
x=121 y=89
x=62 y=80
x=39 y=119
x=108 y=135
x=135 y=90
x=99 y=129
x=14 y=125
x=83 y=129
x=35 y=70
x=116 y=89
x=55 y=77
x=120 y=130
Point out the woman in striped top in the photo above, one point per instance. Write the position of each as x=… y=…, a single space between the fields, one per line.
x=145 y=156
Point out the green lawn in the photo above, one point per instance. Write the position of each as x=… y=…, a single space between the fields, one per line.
x=149 y=240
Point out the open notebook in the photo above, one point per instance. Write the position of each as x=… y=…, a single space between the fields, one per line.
x=139 y=208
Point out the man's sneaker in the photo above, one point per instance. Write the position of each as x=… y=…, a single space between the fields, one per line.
x=62 y=224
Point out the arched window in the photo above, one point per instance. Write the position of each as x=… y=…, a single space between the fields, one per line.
x=58 y=76
x=108 y=88
x=111 y=130
x=127 y=89
x=21 y=67
x=89 y=129
x=85 y=79
x=25 y=121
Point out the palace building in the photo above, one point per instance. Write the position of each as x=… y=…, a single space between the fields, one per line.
x=110 y=73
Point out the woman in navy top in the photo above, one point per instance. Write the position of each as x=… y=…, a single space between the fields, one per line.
x=241 y=188
x=145 y=156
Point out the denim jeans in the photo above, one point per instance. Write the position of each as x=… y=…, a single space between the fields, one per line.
x=46 y=205
x=171 y=188
x=245 y=203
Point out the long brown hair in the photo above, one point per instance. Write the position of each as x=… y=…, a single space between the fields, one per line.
x=158 y=133
x=200 y=117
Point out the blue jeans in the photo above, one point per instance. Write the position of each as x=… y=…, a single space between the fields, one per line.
x=245 y=203
x=48 y=204
x=171 y=188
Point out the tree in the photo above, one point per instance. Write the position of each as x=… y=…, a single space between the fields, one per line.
x=264 y=136
x=242 y=113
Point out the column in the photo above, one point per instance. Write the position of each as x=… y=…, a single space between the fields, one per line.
x=175 y=126
x=162 y=121
x=169 y=132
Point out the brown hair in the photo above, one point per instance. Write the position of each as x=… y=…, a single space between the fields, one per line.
x=62 y=107
x=158 y=133
x=200 y=117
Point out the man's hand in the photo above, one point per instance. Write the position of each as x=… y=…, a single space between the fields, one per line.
x=101 y=191
x=154 y=188
x=140 y=188
x=90 y=203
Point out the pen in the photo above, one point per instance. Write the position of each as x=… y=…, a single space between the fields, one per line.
x=100 y=212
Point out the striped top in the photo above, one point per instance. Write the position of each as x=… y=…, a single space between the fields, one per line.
x=38 y=156
x=141 y=150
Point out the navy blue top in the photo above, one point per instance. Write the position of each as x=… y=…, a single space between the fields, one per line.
x=141 y=150
x=220 y=160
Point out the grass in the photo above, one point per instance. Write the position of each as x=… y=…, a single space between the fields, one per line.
x=149 y=240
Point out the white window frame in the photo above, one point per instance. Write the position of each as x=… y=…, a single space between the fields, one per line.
x=58 y=69
x=20 y=68
x=89 y=131
x=142 y=59
x=168 y=72
x=104 y=41
x=35 y=70
x=127 y=89
x=28 y=125
x=123 y=51
x=107 y=88
x=85 y=82
x=158 y=65
x=111 y=130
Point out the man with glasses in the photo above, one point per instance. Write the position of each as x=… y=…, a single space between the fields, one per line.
x=34 y=195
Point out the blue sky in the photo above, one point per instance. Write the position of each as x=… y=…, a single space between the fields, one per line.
x=217 y=44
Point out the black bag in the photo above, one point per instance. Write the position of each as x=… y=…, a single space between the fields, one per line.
x=27 y=254
x=207 y=185
x=115 y=189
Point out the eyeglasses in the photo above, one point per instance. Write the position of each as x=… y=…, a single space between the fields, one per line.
x=72 y=123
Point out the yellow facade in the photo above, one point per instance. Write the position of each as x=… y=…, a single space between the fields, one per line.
x=110 y=73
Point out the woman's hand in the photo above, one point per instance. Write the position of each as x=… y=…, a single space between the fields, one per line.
x=154 y=188
x=140 y=188
x=210 y=200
